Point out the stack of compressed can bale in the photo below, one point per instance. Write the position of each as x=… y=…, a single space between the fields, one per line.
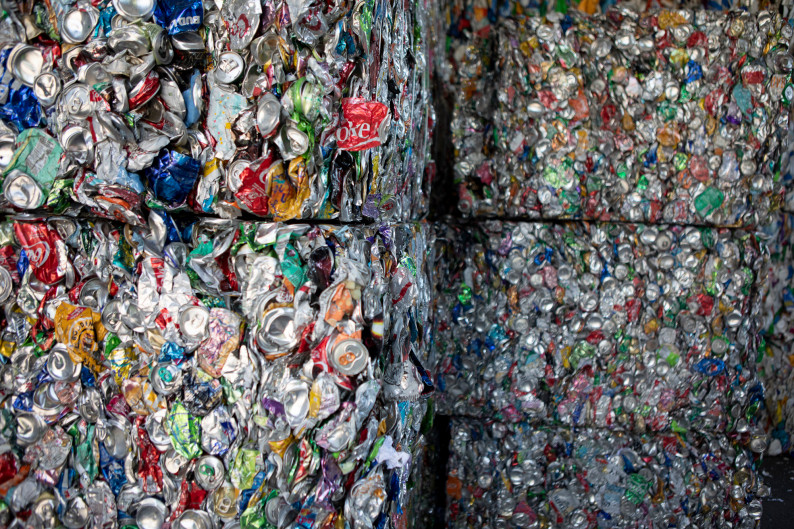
x=601 y=331
x=175 y=352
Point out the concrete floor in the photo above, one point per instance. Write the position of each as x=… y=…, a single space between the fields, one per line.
x=778 y=473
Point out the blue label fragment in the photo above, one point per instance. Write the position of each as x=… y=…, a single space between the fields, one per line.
x=178 y=16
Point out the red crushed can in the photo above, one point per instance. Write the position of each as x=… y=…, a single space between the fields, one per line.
x=44 y=249
x=364 y=124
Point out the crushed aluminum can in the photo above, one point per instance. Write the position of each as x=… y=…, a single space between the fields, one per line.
x=349 y=357
x=22 y=191
x=594 y=367
x=277 y=335
x=775 y=360
x=229 y=68
x=78 y=24
x=194 y=323
x=47 y=87
x=209 y=472
x=135 y=9
x=26 y=63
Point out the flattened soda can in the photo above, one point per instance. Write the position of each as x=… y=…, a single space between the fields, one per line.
x=225 y=328
x=43 y=247
x=6 y=284
x=81 y=330
x=349 y=357
x=209 y=472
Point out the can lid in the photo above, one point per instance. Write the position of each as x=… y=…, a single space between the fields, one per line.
x=76 y=515
x=293 y=142
x=174 y=463
x=234 y=173
x=94 y=294
x=162 y=48
x=47 y=86
x=229 y=68
x=209 y=472
x=166 y=378
x=111 y=317
x=349 y=357
x=788 y=94
x=26 y=63
x=268 y=114
x=134 y=9
x=194 y=323
x=150 y=513
x=22 y=191
x=758 y=443
x=225 y=501
x=60 y=364
x=44 y=399
x=193 y=519
x=78 y=24
x=76 y=101
x=30 y=428
x=272 y=508
x=278 y=334
x=6 y=284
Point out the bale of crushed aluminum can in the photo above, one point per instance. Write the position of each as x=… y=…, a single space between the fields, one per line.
x=276 y=109
x=481 y=13
x=777 y=372
x=211 y=373
x=516 y=476
x=787 y=171
x=775 y=367
x=618 y=326
x=662 y=117
x=778 y=234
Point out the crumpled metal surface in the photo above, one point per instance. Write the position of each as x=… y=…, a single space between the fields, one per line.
x=513 y=475
x=777 y=364
x=777 y=372
x=320 y=109
x=613 y=292
x=618 y=326
x=212 y=373
x=665 y=117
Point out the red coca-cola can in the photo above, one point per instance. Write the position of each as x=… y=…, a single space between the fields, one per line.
x=252 y=185
x=145 y=90
x=45 y=250
x=364 y=124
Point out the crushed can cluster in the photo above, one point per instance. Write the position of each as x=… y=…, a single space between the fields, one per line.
x=217 y=374
x=613 y=312
x=273 y=109
x=661 y=117
x=223 y=305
